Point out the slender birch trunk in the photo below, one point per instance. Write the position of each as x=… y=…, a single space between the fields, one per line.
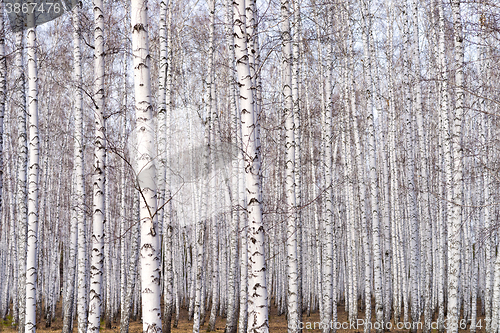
x=212 y=109
x=258 y=316
x=146 y=171
x=231 y=322
x=33 y=179
x=328 y=282
x=164 y=148
x=296 y=97
x=78 y=174
x=161 y=125
x=288 y=112
x=125 y=298
x=423 y=176
x=22 y=163
x=362 y=186
x=446 y=159
x=3 y=86
x=410 y=174
x=455 y=206
x=69 y=299
x=372 y=152
x=201 y=222
x=134 y=256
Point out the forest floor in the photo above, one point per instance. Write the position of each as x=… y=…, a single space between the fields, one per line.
x=277 y=324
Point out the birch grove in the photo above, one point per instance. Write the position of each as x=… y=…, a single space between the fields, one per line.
x=249 y=166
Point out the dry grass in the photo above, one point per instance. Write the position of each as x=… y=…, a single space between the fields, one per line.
x=277 y=324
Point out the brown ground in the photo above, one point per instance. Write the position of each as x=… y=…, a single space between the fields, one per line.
x=277 y=324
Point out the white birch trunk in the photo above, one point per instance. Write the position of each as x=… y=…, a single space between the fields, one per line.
x=161 y=135
x=123 y=210
x=231 y=322
x=3 y=86
x=134 y=256
x=258 y=316
x=328 y=282
x=79 y=184
x=22 y=163
x=423 y=176
x=212 y=109
x=296 y=97
x=362 y=188
x=165 y=147
x=96 y=295
x=290 y=211
x=146 y=171
x=372 y=151
x=455 y=205
x=33 y=179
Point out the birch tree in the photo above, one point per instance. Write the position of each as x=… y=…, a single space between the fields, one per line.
x=33 y=178
x=3 y=86
x=372 y=149
x=78 y=228
x=96 y=295
x=231 y=322
x=455 y=206
x=146 y=171
x=257 y=287
x=291 y=215
x=22 y=163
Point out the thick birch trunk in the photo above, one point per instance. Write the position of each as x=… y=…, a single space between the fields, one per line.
x=146 y=171
x=96 y=294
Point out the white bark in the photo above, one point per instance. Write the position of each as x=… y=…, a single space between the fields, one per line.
x=231 y=322
x=146 y=171
x=3 y=83
x=33 y=179
x=96 y=294
x=134 y=256
x=21 y=189
x=124 y=310
x=258 y=316
x=164 y=179
x=161 y=135
x=296 y=97
x=291 y=229
x=78 y=214
x=213 y=214
x=410 y=175
x=372 y=151
x=362 y=188
x=423 y=176
x=455 y=205
x=328 y=282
